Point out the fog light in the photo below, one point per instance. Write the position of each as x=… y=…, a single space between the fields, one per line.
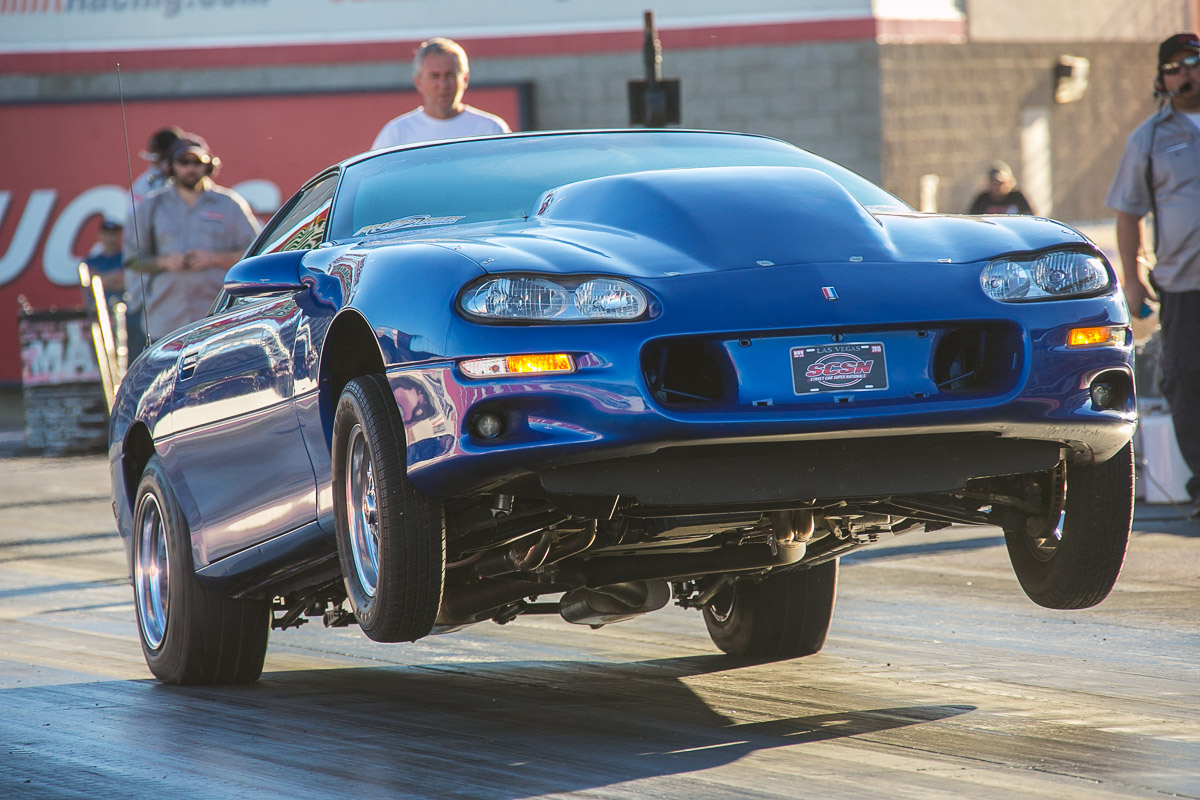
x=1102 y=395
x=487 y=425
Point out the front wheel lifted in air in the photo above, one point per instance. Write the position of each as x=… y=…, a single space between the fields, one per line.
x=1070 y=554
x=391 y=538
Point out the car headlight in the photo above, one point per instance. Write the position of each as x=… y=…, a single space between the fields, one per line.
x=1050 y=276
x=554 y=299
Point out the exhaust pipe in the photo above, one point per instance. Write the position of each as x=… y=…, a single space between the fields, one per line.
x=615 y=603
x=634 y=584
x=463 y=604
x=607 y=570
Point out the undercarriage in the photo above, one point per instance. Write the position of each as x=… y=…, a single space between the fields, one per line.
x=503 y=553
x=762 y=572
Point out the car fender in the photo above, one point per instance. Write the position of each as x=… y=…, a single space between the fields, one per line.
x=407 y=296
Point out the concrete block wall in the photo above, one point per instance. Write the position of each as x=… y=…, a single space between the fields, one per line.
x=822 y=97
x=952 y=109
x=891 y=112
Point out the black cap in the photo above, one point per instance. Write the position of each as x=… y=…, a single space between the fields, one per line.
x=1180 y=41
x=160 y=142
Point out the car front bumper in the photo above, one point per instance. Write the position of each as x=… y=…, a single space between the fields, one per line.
x=614 y=426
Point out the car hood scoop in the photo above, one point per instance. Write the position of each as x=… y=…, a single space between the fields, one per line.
x=685 y=221
x=728 y=217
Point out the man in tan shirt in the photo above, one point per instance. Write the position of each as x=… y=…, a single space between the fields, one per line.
x=1159 y=174
x=190 y=231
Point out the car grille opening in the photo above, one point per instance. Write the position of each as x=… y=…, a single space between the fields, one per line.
x=966 y=361
x=701 y=374
x=685 y=373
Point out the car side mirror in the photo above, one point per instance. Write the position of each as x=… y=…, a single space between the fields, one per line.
x=265 y=274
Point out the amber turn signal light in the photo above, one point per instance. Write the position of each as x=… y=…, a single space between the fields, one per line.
x=1096 y=337
x=517 y=365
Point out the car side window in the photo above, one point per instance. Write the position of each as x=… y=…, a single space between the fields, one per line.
x=238 y=302
x=302 y=227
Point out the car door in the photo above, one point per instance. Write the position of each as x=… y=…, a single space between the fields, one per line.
x=303 y=226
x=236 y=441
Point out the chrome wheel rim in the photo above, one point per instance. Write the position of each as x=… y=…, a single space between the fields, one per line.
x=721 y=606
x=1045 y=545
x=152 y=573
x=1045 y=540
x=362 y=511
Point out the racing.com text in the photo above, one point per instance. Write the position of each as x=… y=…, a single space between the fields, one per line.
x=168 y=8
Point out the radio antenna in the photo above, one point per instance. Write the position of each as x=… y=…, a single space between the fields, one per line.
x=137 y=242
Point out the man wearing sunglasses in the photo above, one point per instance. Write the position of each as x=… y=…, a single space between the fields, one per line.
x=190 y=232
x=1159 y=174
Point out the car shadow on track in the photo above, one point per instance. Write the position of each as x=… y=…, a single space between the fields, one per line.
x=497 y=730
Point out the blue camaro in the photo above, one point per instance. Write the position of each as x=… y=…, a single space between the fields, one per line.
x=590 y=373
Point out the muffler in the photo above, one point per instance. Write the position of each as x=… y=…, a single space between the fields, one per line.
x=616 y=602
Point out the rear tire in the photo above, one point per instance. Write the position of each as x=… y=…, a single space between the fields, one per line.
x=1072 y=559
x=190 y=634
x=391 y=538
x=786 y=615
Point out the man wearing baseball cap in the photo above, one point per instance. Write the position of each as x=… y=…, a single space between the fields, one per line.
x=156 y=153
x=105 y=259
x=1159 y=174
x=190 y=232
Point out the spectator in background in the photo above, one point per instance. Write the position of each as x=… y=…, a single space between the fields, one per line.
x=106 y=260
x=190 y=231
x=155 y=175
x=1001 y=195
x=1159 y=173
x=440 y=73
x=154 y=178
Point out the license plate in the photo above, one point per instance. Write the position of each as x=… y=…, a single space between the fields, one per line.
x=839 y=368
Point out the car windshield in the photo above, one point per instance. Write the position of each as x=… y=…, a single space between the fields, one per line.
x=502 y=178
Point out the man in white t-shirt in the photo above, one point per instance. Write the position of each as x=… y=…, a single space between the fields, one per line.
x=440 y=73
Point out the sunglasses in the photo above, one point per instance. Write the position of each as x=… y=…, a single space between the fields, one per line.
x=191 y=162
x=1173 y=67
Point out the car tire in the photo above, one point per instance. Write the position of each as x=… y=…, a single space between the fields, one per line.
x=1072 y=559
x=391 y=538
x=190 y=634
x=786 y=615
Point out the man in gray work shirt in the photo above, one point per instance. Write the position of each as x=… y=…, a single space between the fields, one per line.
x=191 y=232
x=1160 y=173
